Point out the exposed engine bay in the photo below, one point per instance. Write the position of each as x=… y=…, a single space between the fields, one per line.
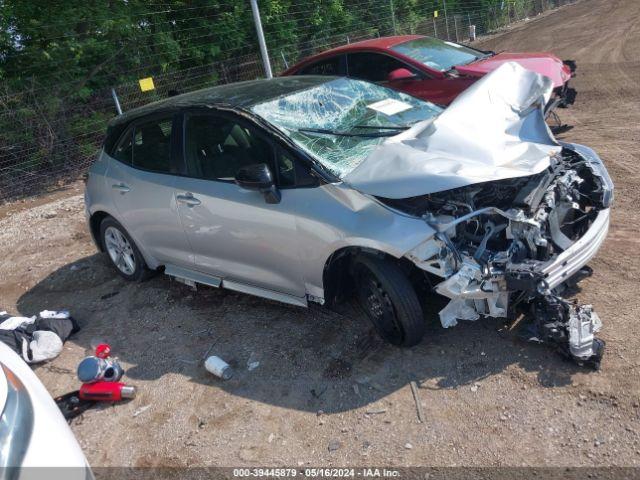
x=508 y=248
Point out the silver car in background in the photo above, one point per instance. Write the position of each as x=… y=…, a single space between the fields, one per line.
x=310 y=189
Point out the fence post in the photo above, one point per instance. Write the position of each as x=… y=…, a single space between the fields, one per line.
x=284 y=59
x=446 y=19
x=393 y=17
x=263 y=45
x=455 y=26
x=116 y=101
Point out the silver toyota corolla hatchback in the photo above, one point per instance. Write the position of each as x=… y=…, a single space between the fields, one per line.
x=310 y=189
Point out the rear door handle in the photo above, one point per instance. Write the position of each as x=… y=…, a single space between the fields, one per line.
x=121 y=187
x=188 y=199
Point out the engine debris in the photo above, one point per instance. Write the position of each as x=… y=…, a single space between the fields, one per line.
x=568 y=326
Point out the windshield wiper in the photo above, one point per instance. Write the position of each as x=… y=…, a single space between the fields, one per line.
x=385 y=127
x=388 y=133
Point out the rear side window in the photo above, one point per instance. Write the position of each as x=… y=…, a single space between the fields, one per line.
x=330 y=66
x=124 y=149
x=373 y=67
x=152 y=145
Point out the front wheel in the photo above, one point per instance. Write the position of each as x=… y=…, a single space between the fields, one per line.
x=390 y=301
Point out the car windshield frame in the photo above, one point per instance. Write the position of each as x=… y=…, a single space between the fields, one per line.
x=440 y=55
x=341 y=121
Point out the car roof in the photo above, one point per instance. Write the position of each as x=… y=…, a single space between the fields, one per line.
x=378 y=43
x=240 y=95
x=381 y=43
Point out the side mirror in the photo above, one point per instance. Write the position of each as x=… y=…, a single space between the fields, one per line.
x=258 y=177
x=401 y=74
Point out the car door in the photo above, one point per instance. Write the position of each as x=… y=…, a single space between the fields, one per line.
x=141 y=180
x=234 y=233
x=441 y=90
x=376 y=67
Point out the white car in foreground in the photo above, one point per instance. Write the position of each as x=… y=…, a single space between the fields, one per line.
x=35 y=440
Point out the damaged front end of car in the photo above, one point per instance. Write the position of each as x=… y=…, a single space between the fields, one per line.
x=508 y=248
x=515 y=215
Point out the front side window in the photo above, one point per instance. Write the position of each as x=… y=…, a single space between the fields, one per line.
x=152 y=145
x=286 y=170
x=373 y=67
x=342 y=121
x=217 y=147
x=437 y=54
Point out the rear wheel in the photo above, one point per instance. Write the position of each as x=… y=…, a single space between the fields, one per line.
x=122 y=251
x=390 y=301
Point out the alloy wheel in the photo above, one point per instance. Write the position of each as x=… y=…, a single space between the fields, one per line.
x=120 y=250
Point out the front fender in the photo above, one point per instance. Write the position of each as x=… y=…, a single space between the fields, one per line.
x=337 y=217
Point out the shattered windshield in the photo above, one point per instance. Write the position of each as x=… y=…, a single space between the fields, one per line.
x=340 y=122
x=437 y=54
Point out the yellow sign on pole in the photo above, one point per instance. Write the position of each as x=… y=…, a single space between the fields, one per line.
x=435 y=14
x=146 y=84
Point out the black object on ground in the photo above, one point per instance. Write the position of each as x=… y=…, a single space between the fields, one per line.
x=71 y=405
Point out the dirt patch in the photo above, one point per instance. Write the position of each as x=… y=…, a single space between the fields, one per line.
x=325 y=391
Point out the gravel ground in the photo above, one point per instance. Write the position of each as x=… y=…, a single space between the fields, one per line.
x=326 y=391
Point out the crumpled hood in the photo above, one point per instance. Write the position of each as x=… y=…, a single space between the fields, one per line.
x=543 y=63
x=493 y=130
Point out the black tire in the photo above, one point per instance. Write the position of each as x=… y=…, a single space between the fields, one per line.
x=140 y=271
x=389 y=300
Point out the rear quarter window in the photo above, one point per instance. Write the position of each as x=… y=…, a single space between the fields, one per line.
x=329 y=66
x=123 y=151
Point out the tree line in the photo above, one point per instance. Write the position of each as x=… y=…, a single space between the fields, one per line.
x=59 y=58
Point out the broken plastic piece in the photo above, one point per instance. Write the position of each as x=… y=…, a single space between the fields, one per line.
x=470 y=296
x=457 y=310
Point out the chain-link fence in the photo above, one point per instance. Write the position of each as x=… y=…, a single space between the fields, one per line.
x=52 y=128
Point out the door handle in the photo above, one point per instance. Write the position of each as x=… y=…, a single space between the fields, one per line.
x=188 y=199
x=121 y=187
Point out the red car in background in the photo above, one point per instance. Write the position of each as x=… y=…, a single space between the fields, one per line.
x=430 y=68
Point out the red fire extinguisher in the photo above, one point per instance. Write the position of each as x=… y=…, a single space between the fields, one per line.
x=106 y=391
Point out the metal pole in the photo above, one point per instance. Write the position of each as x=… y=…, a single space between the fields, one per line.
x=455 y=25
x=116 y=101
x=435 y=29
x=263 y=45
x=393 y=17
x=446 y=19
